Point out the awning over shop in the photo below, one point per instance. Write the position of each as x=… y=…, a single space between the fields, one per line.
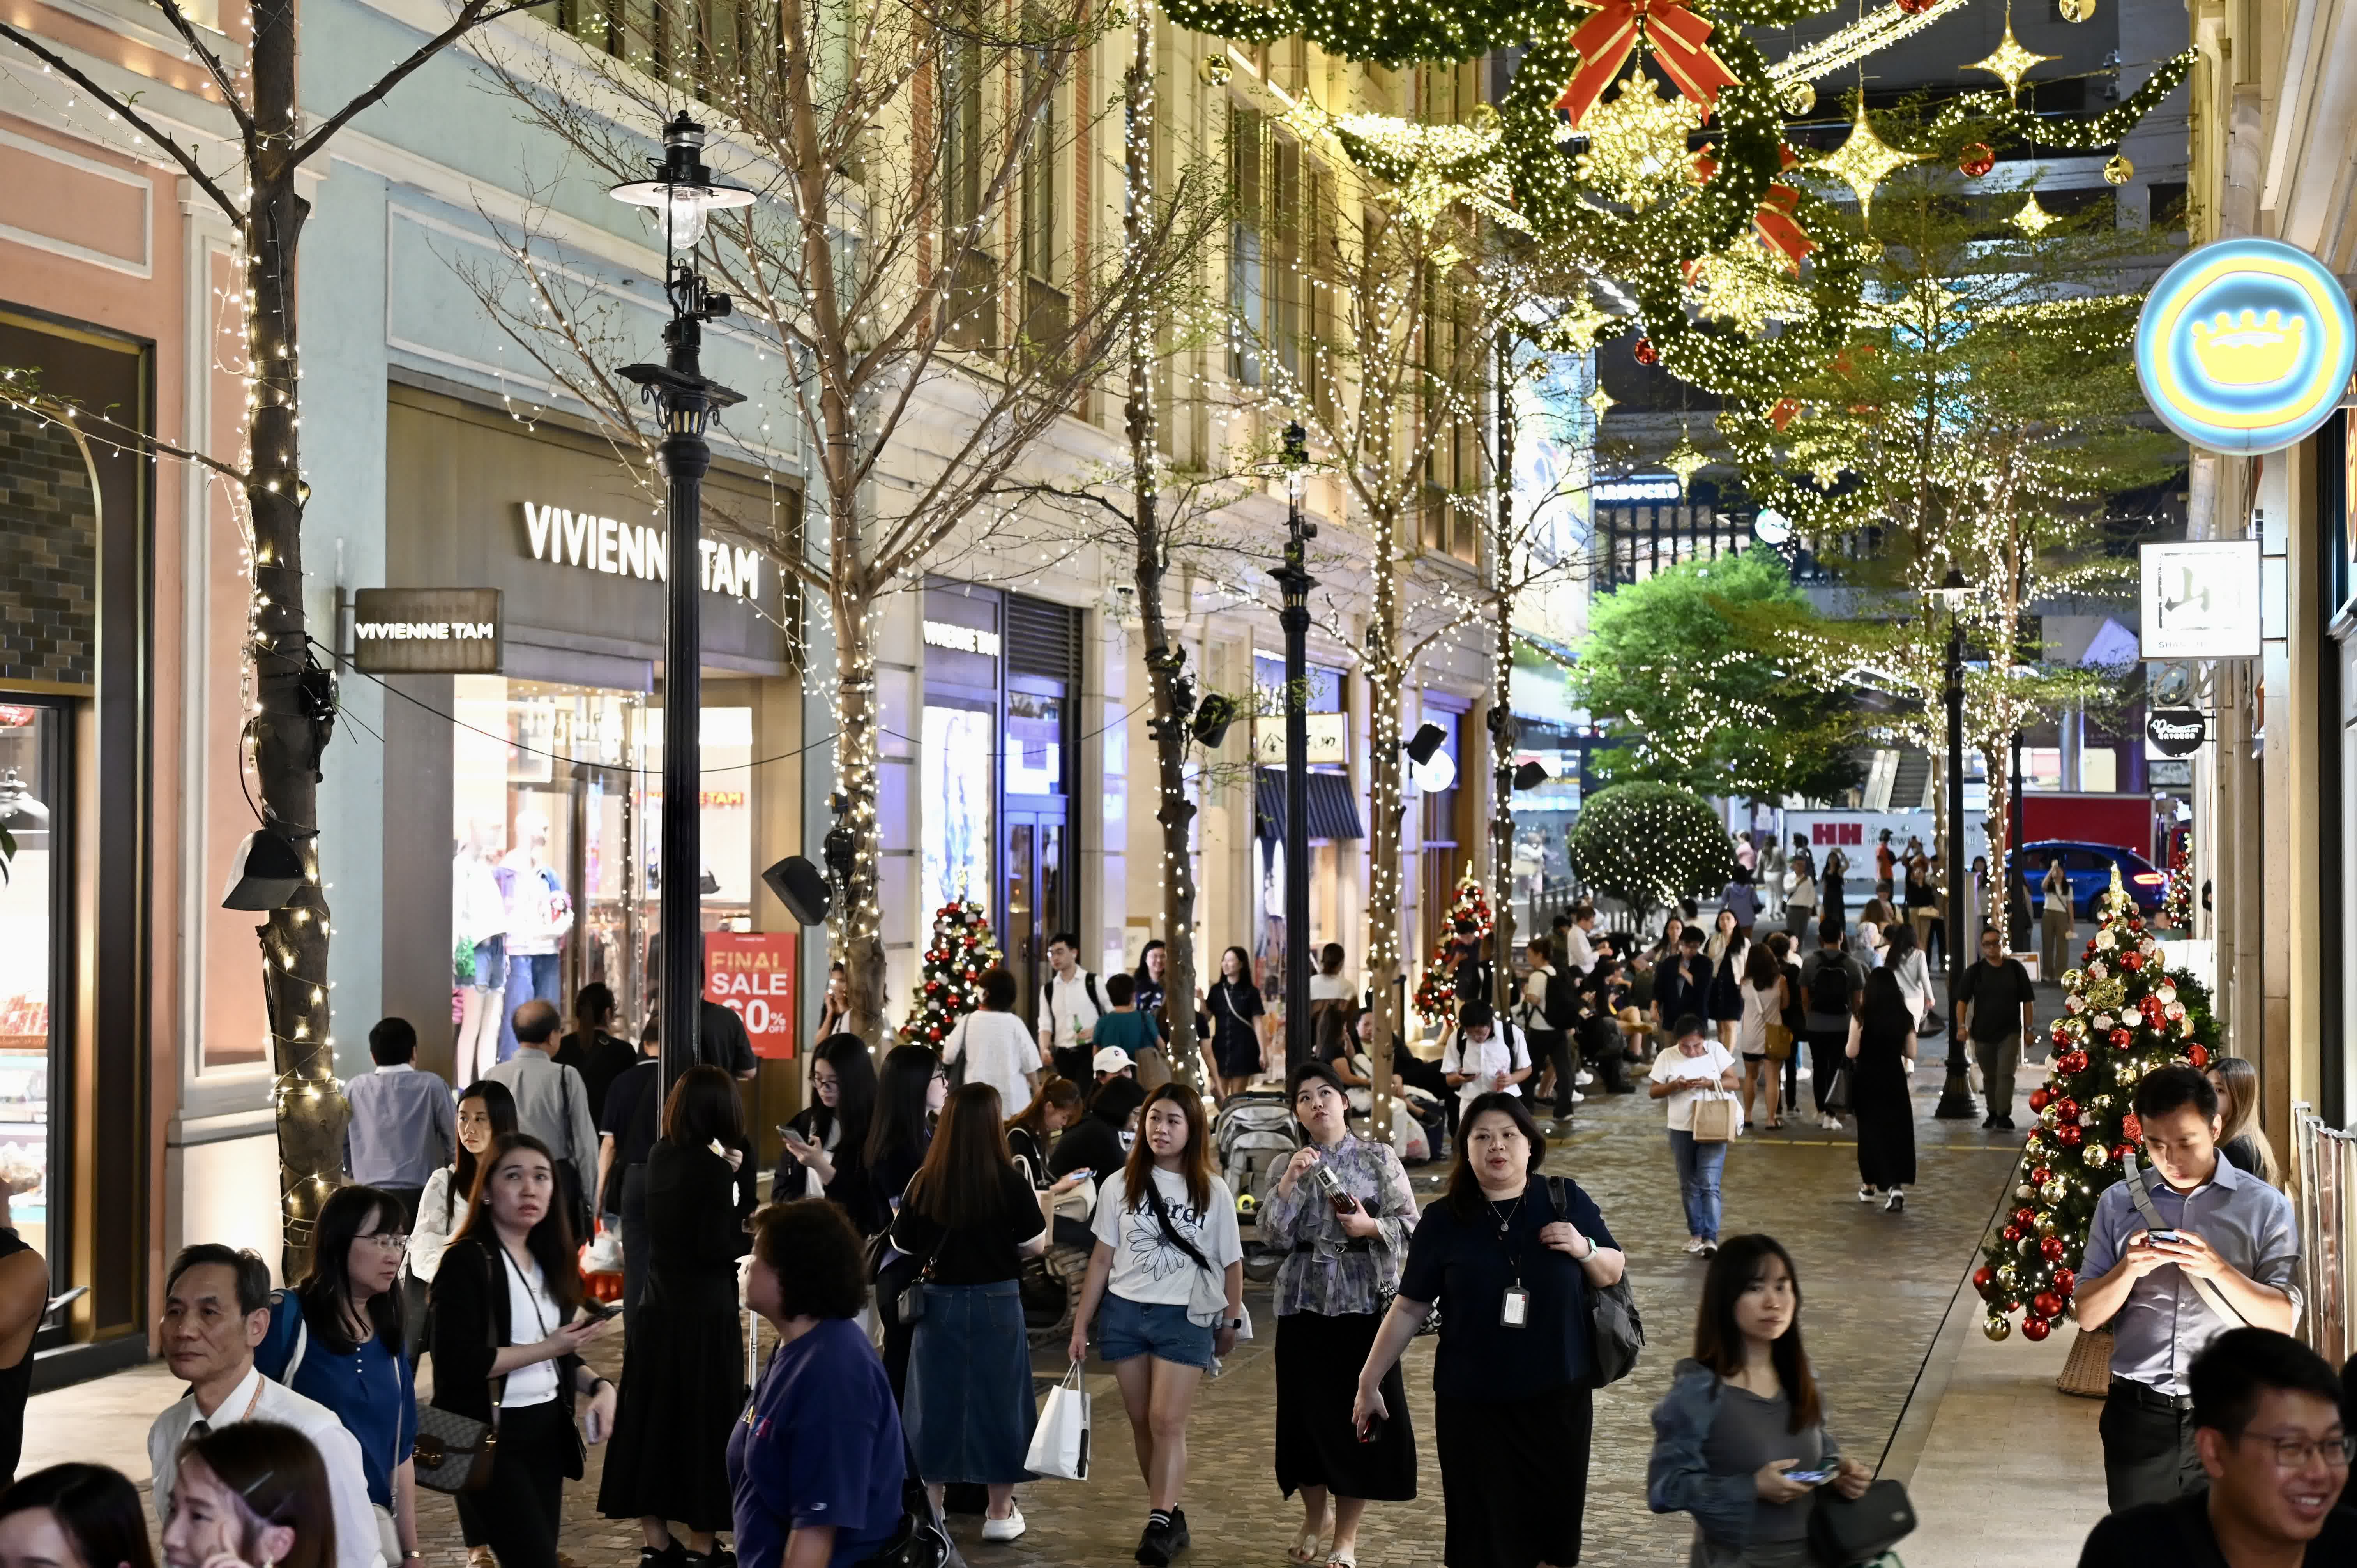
x=1333 y=806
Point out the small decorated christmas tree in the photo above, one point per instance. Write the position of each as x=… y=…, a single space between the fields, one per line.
x=1435 y=993
x=961 y=954
x=2123 y=1015
x=2177 y=906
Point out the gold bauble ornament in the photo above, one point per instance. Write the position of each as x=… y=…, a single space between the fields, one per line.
x=1483 y=117
x=1215 y=69
x=1799 y=98
x=2075 y=10
x=2045 y=1223
x=1997 y=1325
x=2117 y=170
x=2054 y=1190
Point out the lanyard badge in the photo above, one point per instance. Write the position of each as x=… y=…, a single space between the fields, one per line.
x=1517 y=1310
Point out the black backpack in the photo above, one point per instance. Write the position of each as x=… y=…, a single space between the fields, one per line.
x=1561 y=1007
x=1829 y=987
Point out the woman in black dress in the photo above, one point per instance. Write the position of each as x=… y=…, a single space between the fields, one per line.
x=1829 y=890
x=1728 y=952
x=1233 y=1005
x=827 y=1142
x=684 y=1365
x=1882 y=1060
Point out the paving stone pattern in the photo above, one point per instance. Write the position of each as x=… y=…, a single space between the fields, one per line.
x=1875 y=1286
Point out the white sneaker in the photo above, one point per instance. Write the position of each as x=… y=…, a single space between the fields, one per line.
x=1694 y=1243
x=1830 y=1122
x=1582 y=1079
x=1867 y=1195
x=1577 y=1098
x=1005 y=1528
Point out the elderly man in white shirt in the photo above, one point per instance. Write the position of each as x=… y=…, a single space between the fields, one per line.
x=216 y=1310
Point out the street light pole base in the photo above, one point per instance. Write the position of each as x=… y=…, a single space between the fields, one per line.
x=1956 y=1101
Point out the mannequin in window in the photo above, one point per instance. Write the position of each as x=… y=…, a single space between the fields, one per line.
x=539 y=914
x=479 y=926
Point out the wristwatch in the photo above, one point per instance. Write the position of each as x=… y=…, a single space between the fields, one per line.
x=1231 y=1323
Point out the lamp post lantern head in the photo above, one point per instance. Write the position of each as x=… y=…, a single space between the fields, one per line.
x=1953 y=590
x=683 y=193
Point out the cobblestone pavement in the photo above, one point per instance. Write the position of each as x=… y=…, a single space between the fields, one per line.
x=1875 y=1285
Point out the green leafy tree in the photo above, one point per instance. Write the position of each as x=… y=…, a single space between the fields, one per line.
x=1686 y=672
x=1647 y=845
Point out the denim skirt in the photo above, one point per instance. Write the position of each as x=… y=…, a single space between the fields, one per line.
x=970 y=1408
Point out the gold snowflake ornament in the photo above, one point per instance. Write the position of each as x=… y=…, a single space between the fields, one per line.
x=2033 y=220
x=1864 y=161
x=1637 y=143
x=1686 y=460
x=2011 y=62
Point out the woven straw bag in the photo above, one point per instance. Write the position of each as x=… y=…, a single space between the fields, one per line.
x=2088 y=1372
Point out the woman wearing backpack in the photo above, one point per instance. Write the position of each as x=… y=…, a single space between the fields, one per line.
x=1167 y=1248
x=1743 y=1415
x=1512 y=1260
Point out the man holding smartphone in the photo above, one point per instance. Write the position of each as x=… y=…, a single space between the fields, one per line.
x=2224 y=1255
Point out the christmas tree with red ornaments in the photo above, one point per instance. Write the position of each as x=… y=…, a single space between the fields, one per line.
x=951 y=987
x=2177 y=906
x=2124 y=1013
x=1435 y=993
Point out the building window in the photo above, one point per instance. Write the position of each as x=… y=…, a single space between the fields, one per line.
x=1439 y=857
x=1266 y=290
x=33 y=934
x=972 y=300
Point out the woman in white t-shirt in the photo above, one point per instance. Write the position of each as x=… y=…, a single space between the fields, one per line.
x=998 y=1049
x=1168 y=1268
x=1696 y=1067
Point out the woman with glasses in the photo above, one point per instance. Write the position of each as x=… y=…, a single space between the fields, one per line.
x=337 y=1339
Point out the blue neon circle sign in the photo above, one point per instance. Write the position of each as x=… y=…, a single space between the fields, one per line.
x=2245 y=346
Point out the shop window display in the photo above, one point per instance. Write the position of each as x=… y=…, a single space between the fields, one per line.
x=28 y=934
x=956 y=760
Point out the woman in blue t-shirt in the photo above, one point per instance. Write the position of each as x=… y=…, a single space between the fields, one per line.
x=816 y=1461
x=337 y=1339
x=1514 y=1381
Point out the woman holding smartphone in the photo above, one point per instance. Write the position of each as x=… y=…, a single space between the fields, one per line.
x=825 y=1144
x=1342 y=1212
x=1740 y=1441
x=505 y=1334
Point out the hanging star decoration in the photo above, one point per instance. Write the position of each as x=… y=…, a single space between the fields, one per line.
x=1600 y=402
x=2033 y=220
x=2011 y=62
x=1864 y=161
x=1686 y=460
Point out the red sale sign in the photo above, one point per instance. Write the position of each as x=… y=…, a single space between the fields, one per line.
x=752 y=974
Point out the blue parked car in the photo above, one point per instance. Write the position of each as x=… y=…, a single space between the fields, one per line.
x=2089 y=868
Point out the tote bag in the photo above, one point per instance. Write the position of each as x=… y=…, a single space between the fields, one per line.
x=1059 y=1443
x=1714 y=1121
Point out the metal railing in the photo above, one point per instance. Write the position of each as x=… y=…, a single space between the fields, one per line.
x=2326 y=1203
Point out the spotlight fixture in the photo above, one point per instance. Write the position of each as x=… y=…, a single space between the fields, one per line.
x=264 y=873
x=1214 y=715
x=1530 y=775
x=801 y=888
x=1430 y=739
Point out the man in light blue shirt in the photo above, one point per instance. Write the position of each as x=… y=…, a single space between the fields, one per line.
x=2225 y=1253
x=404 y=1126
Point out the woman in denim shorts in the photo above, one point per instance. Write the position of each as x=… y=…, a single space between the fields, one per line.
x=1162 y=1222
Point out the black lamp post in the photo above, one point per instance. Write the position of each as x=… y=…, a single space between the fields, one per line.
x=1956 y=1093
x=1294 y=579
x=685 y=195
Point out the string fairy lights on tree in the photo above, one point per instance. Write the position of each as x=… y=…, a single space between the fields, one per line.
x=1984 y=418
x=1647 y=845
x=2124 y=1012
x=892 y=154
x=950 y=985
x=290 y=699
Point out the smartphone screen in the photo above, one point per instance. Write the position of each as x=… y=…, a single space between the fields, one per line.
x=2162 y=1235
x=1809 y=1478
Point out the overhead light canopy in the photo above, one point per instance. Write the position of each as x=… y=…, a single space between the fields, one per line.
x=264 y=873
x=682 y=195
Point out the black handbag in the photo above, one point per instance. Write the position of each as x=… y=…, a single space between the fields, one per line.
x=1616 y=1331
x=919 y=1542
x=1839 y=1092
x=1845 y=1533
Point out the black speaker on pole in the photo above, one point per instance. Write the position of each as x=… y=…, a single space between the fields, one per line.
x=801 y=889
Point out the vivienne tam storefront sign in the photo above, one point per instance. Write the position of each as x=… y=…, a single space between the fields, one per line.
x=751 y=974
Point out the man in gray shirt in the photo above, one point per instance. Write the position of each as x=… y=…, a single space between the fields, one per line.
x=403 y=1127
x=552 y=1104
x=2225 y=1254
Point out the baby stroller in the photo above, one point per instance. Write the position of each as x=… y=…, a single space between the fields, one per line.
x=1252 y=1138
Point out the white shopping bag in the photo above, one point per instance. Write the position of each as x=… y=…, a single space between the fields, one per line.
x=1060 y=1445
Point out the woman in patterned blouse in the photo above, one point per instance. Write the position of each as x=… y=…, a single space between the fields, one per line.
x=1331 y=1290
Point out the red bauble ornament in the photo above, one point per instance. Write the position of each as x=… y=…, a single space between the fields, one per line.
x=2120 y=1039
x=2122 y=1150
x=2011 y=1232
x=1915 y=8
x=2024 y=1217
x=2041 y=1175
x=972 y=974
x=2198 y=1054
x=2051 y=1248
x=2132 y=1129
x=2038 y=1099
x=2074 y=1062
x=1978 y=160
x=2034 y=1328
x=1645 y=353
x=1983 y=1277
x=2067 y=1108
x=2068 y=1134
x=2066 y=1281
x=932 y=986
x=934 y=1034
x=2045 y=1303
x=2131 y=961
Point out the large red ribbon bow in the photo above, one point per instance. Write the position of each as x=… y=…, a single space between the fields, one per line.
x=1680 y=39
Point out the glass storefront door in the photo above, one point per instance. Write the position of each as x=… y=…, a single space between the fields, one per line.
x=1038 y=899
x=32 y=910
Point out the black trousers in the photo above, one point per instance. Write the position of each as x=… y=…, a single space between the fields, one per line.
x=1826 y=1048
x=1554 y=1047
x=518 y=1510
x=2148 y=1452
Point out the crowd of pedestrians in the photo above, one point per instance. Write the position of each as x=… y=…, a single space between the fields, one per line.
x=926 y=1197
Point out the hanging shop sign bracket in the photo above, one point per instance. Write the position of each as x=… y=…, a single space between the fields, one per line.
x=426 y=631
